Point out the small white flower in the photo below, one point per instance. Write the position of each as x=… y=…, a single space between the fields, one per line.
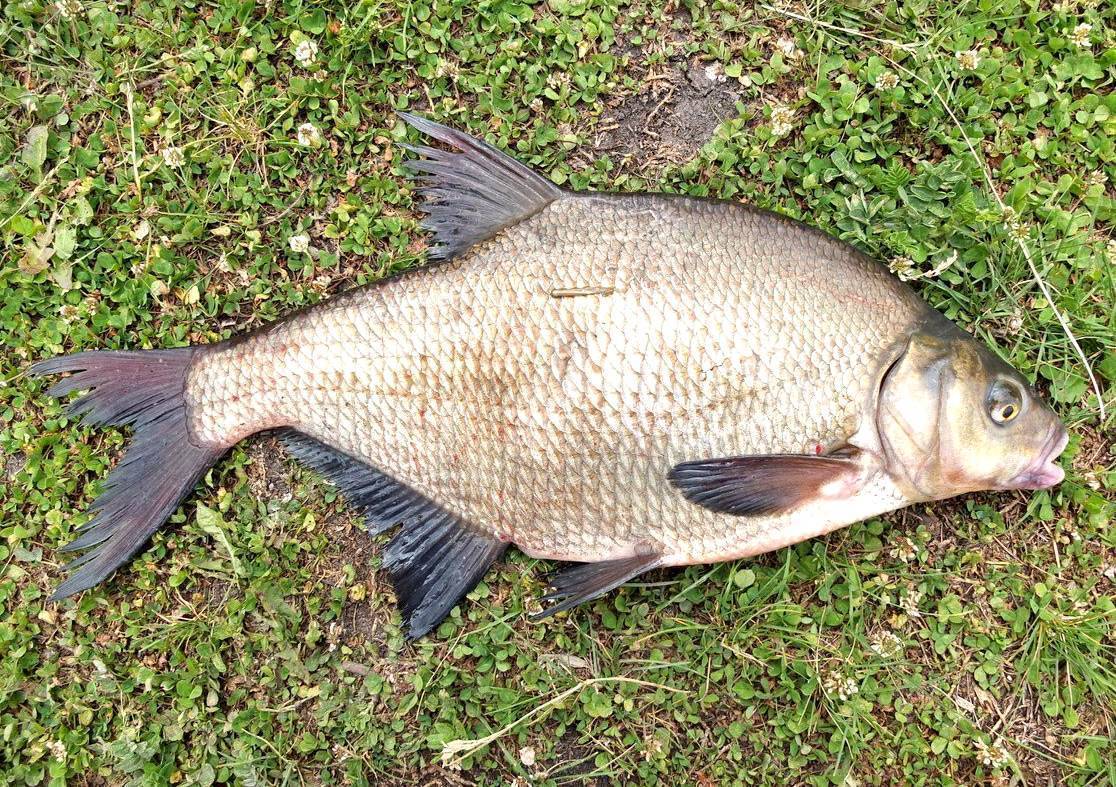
x=839 y=686
x=68 y=312
x=910 y=603
x=556 y=80
x=904 y=268
x=1040 y=139
x=1110 y=251
x=886 y=644
x=527 y=755
x=993 y=755
x=58 y=749
x=887 y=80
x=906 y=550
x=1080 y=35
x=309 y=135
x=173 y=156
x=1014 y=323
x=788 y=48
x=300 y=244
x=782 y=121
x=715 y=72
x=68 y=9
x=305 y=53
x=1095 y=178
x=969 y=60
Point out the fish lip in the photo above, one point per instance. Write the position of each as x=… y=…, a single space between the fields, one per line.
x=1044 y=473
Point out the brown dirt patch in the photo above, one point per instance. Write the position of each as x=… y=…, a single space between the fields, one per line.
x=668 y=120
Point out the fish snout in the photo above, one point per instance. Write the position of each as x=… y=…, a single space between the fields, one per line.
x=1044 y=472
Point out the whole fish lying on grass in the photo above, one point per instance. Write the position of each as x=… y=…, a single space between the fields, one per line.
x=624 y=381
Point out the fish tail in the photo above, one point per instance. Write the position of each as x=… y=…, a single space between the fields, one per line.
x=163 y=461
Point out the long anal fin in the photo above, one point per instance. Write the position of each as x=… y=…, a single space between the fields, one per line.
x=434 y=560
x=583 y=582
x=764 y=485
x=472 y=193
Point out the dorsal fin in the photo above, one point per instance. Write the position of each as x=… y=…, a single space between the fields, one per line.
x=471 y=194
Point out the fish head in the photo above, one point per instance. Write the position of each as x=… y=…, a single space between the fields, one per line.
x=954 y=418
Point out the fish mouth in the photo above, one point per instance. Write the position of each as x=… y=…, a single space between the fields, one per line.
x=1043 y=472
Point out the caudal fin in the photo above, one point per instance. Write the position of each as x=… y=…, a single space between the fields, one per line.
x=144 y=390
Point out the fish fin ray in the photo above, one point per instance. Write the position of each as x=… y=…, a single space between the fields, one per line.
x=162 y=463
x=583 y=582
x=382 y=500
x=436 y=557
x=762 y=485
x=473 y=193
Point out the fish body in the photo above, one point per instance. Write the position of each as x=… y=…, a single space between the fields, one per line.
x=623 y=381
x=553 y=421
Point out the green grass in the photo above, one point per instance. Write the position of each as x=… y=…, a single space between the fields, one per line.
x=150 y=181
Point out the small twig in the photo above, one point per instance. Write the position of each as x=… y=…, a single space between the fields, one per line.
x=128 y=102
x=286 y=210
x=455 y=751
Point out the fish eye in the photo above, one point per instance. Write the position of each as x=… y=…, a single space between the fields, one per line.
x=1004 y=402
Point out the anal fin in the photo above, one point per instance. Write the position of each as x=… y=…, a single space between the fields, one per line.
x=434 y=560
x=583 y=582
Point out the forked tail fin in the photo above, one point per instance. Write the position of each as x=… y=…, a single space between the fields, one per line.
x=144 y=390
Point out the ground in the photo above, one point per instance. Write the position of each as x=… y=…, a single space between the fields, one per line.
x=178 y=172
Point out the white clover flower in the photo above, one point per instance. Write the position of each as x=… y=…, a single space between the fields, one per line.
x=58 y=750
x=993 y=755
x=906 y=549
x=837 y=685
x=536 y=105
x=173 y=156
x=557 y=80
x=1014 y=323
x=1040 y=139
x=788 y=48
x=527 y=755
x=1095 y=178
x=887 y=80
x=969 y=60
x=305 y=53
x=68 y=9
x=904 y=268
x=300 y=244
x=910 y=603
x=68 y=312
x=1080 y=35
x=1110 y=251
x=309 y=135
x=715 y=72
x=782 y=121
x=886 y=644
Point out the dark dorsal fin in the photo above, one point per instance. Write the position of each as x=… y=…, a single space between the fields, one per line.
x=763 y=485
x=474 y=193
x=434 y=560
x=583 y=582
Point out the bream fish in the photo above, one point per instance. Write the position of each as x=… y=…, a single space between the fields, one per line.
x=625 y=381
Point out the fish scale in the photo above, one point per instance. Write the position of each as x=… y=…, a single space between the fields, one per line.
x=623 y=381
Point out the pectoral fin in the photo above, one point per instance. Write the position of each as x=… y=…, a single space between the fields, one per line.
x=764 y=485
x=583 y=582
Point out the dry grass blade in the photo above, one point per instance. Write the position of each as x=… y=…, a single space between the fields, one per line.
x=455 y=751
